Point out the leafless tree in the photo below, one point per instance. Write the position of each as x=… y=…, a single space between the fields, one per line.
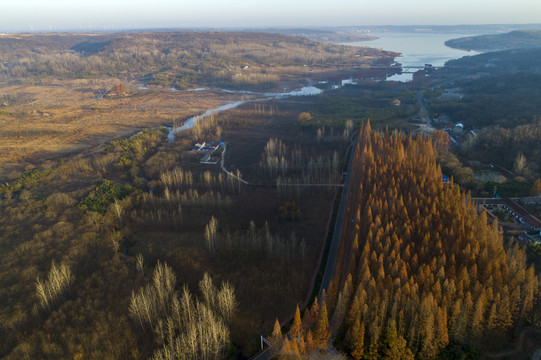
x=226 y=301
x=57 y=284
x=211 y=234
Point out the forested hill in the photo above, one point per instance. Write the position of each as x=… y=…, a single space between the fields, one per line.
x=172 y=58
x=519 y=39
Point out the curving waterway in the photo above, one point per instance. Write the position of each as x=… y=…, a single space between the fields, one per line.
x=264 y=96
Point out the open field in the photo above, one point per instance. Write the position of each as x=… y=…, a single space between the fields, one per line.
x=43 y=123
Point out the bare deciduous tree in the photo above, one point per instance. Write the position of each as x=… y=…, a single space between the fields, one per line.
x=211 y=234
x=208 y=290
x=520 y=164
x=140 y=263
x=57 y=284
x=227 y=304
x=187 y=328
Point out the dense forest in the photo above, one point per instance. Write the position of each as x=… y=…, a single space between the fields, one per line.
x=178 y=59
x=505 y=100
x=418 y=270
x=499 y=110
x=517 y=39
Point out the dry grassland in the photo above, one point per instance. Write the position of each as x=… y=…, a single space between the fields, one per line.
x=41 y=123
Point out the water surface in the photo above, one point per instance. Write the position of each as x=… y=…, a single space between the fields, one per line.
x=417 y=49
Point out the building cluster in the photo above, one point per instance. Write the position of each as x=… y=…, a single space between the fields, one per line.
x=518 y=222
x=207 y=149
x=522 y=215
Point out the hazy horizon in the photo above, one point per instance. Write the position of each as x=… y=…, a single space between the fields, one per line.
x=103 y=15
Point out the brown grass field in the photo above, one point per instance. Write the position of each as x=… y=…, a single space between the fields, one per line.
x=42 y=123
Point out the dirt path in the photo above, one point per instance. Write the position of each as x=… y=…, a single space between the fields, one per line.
x=229 y=173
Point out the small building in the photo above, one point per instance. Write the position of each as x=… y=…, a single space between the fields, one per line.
x=396 y=102
x=445 y=179
x=458 y=127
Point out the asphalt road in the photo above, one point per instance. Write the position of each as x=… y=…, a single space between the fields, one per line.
x=331 y=260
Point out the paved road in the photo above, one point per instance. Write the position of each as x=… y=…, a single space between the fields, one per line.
x=267 y=354
x=331 y=260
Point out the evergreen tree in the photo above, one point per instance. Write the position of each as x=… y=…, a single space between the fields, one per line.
x=425 y=269
x=296 y=329
x=276 y=336
x=322 y=331
x=357 y=340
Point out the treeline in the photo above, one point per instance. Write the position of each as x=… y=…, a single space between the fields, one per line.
x=417 y=268
x=358 y=102
x=505 y=100
x=311 y=333
x=496 y=62
x=520 y=144
x=179 y=195
x=294 y=166
x=254 y=243
x=517 y=39
x=170 y=59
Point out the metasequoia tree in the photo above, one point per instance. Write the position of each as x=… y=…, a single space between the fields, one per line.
x=536 y=188
x=322 y=330
x=417 y=267
x=295 y=332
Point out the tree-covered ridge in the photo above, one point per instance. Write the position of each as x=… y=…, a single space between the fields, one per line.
x=512 y=40
x=417 y=266
x=179 y=59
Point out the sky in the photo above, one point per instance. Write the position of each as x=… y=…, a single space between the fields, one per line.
x=83 y=15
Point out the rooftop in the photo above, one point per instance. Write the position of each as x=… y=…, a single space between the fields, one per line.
x=528 y=218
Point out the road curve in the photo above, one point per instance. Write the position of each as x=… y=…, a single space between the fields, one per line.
x=229 y=172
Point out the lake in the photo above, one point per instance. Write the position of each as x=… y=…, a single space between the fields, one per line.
x=417 y=49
